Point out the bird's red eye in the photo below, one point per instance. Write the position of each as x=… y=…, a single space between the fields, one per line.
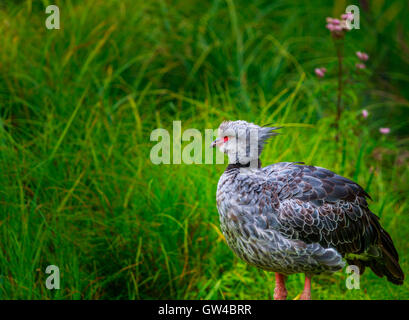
x=225 y=138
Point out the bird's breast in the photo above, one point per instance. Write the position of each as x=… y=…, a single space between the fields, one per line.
x=242 y=210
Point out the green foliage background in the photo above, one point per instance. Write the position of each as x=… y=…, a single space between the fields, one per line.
x=77 y=106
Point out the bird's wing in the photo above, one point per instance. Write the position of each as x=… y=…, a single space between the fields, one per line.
x=316 y=205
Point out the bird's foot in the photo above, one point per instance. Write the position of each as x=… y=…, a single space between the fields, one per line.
x=305 y=295
x=280 y=294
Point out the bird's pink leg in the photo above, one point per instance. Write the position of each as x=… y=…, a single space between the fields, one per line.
x=280 y=292
x=306 y=294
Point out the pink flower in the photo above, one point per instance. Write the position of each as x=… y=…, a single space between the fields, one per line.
x=362 y=56
x=360 y=66
x=384 y=130
x=336 y=26
x=320 y=72
x=348 y=16
x=365 y=113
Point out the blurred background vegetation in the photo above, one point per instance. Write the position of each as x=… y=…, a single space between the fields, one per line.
x=77 y=106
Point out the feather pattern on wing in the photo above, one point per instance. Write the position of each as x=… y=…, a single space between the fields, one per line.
x=317 y=205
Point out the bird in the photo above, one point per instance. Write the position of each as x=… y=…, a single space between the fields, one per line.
x=290 y=217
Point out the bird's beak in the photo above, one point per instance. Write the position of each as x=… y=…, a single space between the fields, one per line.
x=215 y=143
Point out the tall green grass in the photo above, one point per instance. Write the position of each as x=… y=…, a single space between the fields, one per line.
x=77 y=106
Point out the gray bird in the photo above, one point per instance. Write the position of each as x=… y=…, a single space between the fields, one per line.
x=293 y=218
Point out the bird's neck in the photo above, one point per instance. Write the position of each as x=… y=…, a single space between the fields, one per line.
x=232 y=166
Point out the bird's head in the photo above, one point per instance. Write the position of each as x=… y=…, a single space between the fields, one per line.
x=242 y=141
